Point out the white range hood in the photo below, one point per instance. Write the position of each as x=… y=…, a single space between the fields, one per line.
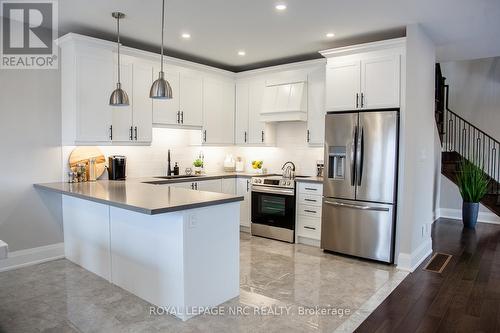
x=285 y=102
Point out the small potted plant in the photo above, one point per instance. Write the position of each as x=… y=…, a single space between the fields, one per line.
x=473 y=185
x=198 y=166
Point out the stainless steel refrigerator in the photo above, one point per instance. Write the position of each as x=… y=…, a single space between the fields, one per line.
x=359 y=189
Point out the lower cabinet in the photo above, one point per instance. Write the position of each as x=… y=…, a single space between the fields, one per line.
x=243 y=189
x=238 y=186
x=308 y=221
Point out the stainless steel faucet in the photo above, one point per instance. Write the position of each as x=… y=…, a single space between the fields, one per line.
x=288 y=170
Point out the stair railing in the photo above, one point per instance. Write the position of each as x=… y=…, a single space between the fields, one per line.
x=470 y=142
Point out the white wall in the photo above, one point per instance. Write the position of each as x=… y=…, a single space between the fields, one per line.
x=474 y=95
x=418 y=191
x=31 y=128
x=185 y=145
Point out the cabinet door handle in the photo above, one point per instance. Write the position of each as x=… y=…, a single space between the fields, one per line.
x=182 y=117
x=135 y=133
x=248 y=185
x=245 y=136
x=205 y=136
x=178 y=117
x=310 y=228
x=357 y=100
x=196 y=186
x=192 y=186
x=130 y=136
x=308 y=136
x=262 y=136
x=362 y=100
x=111 y=132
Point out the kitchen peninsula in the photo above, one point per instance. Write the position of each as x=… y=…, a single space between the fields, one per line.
x=175 y=248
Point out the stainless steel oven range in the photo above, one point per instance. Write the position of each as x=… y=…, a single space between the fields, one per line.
x=273 y=208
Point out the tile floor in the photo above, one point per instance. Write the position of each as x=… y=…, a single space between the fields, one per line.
x=284 y=288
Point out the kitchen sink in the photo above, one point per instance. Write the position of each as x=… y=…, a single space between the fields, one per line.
x=177 y=177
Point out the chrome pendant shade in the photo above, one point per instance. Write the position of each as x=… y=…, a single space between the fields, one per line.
x=161 y=89
x=118 y=97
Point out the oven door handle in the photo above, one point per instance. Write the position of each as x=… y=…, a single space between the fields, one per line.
x=271 y=190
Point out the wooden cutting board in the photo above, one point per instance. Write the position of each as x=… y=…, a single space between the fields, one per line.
x=83 y=155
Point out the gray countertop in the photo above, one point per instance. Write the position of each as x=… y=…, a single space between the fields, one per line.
x=144 y=196
x=137 y=196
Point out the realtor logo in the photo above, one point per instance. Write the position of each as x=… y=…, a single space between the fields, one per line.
x=29 y=29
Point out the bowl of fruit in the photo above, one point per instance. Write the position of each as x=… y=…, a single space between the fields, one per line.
x=257 y=166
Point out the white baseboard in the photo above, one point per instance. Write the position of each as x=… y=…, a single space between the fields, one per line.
x=308 y=241
x=485 y=217
x=246 y=229
x=409 y=262
x=23 y=258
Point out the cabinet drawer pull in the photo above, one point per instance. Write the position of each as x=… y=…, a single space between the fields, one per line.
x=310 y=211
x=311 y=200
x=310 y=189
x=310 y=228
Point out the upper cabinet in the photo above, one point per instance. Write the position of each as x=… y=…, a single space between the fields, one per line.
x=88 y=77
x=364 y=77
x=249 y=127
x=186 y=106
x=218 y=111
x=315 y=134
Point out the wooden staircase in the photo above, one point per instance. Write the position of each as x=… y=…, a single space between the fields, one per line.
x=462 y=140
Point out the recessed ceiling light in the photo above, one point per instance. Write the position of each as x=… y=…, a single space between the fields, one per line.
x=241 y=53
x=330 y=35
x=280 y=6
x=186 y=35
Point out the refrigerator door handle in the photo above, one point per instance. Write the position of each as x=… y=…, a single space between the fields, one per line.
x=353 y=155
x=341 y=204
x=360 y=156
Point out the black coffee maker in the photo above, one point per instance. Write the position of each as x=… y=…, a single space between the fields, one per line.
x=117 y=167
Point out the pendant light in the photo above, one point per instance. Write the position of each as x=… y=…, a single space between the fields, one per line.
x=118 y=97
x=161 y=88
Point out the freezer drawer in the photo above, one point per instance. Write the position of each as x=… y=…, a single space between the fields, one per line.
x=358 y=228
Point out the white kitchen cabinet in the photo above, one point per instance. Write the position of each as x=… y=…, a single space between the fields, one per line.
x=309 y=202
x=228 y=186
x=249 y=128
x=316 y=107
x=166 y=111
x=133 y=123
x=241 y=116
x=380 y=82
x=123 y=115
x=218 y=111
x=93 y=84
x=142 y=115
x=243 y=189
x=89 y=76
x=363 y=81
x=213 y=185
x=343 y=84
x=191 y=99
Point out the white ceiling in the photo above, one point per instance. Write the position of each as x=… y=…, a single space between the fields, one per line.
x=462 y=29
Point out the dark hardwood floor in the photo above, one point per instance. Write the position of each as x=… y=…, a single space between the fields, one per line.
x=465 y=297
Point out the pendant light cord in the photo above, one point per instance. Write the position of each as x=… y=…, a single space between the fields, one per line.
x=162 y=30
x=118 y=31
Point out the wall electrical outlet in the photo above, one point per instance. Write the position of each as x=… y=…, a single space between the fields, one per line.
x=192 y=221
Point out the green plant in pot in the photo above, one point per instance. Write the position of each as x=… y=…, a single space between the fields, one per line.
x=198 y=166
x=473 y=185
